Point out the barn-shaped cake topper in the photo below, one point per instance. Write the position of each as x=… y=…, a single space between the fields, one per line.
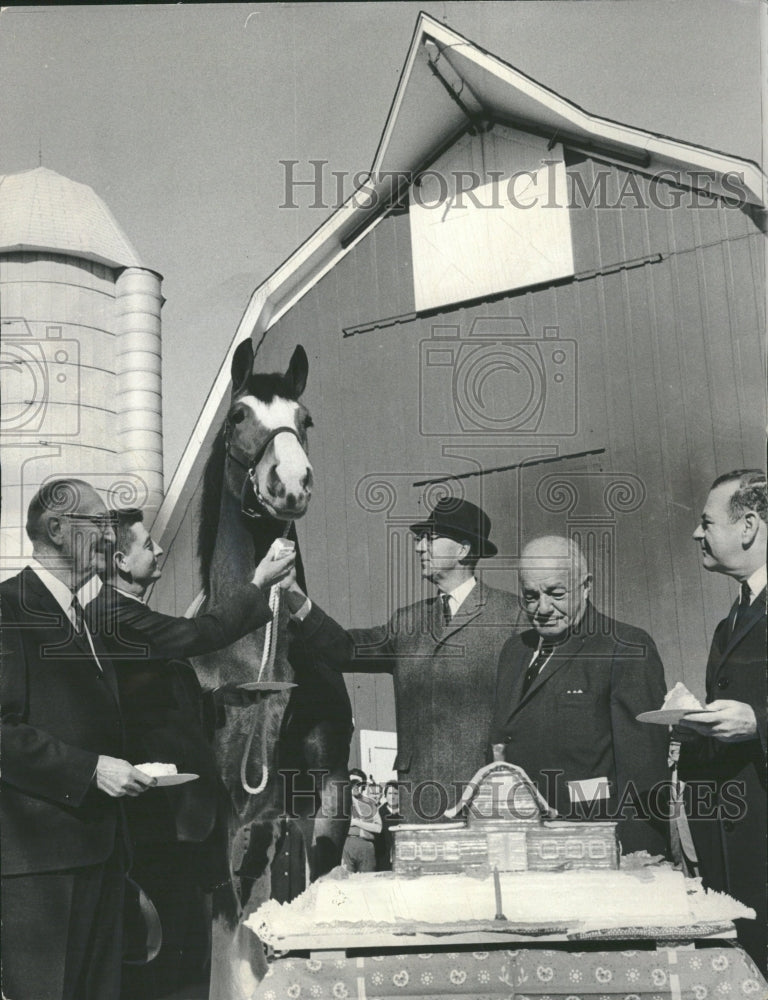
x=509 y=826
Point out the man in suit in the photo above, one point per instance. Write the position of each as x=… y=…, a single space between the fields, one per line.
x=441 y=651
x=64 y=770
x=567 y=695
x=178 y=847
x=723 y=753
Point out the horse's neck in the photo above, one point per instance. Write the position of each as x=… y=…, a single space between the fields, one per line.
x=234 y=559
x=236 y=551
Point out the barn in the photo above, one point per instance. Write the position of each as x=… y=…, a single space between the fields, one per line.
x=556 y=316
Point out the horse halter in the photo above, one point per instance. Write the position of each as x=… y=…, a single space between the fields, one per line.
x=251 y=502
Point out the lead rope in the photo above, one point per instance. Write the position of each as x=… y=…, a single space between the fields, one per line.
x=267 y=663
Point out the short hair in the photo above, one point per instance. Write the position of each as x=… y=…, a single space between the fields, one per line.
x=57 y=496
x=392 y=784
x=751 y=493
x=355 y=772
x=126 y=518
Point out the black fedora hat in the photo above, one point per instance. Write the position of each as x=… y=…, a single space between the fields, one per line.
x=460 y=520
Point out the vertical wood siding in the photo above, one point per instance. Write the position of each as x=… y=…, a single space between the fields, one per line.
x=669 y=381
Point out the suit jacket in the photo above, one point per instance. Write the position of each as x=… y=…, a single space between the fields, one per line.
x=59 y=713
x=730 y=840
x=577 y=719
x=444 y=682
x=163 y=703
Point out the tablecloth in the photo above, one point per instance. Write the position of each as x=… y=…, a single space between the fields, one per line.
x=704 y=973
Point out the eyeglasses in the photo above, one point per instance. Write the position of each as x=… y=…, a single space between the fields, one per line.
x=429 y=537
x=556 y=596
x=101 y=521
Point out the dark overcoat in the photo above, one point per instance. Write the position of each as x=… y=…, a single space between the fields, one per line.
x=59 y=713
x=730 y=833
x=577 y=721
x=444 y=680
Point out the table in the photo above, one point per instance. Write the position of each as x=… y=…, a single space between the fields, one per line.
x=711 y=971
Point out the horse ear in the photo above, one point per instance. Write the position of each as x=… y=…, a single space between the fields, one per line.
x=298 y=370
x=242 y=364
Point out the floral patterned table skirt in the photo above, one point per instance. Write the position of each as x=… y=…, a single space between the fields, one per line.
x=705 y=973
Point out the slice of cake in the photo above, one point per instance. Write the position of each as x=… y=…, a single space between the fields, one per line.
x=681 y=698
x=157 y=770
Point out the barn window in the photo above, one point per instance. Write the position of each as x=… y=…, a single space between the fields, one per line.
x=490 y=216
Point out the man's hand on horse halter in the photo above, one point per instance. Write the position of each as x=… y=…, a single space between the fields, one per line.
x=273 y=568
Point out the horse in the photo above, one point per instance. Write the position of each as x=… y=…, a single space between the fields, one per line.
x=257 y=482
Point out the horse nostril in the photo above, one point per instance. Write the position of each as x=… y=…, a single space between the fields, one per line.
x=306 y=482
x=275 y=485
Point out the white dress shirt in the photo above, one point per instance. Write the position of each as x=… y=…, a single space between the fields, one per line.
x=63 y=597
x=457 y=596
x=756 y=583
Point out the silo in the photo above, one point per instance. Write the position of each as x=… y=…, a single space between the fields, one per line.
x=81 y=360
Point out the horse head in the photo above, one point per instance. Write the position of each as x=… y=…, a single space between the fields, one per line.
x=265 y=435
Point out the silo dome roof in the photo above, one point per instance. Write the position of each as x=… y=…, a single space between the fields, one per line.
x=41 y=210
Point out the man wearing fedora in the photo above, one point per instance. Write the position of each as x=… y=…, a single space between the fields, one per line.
x=442 y=654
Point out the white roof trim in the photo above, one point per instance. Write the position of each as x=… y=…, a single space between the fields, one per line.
x=325 y=247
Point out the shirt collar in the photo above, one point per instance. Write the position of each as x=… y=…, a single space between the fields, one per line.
x=461 y=593
x=90 y=590
x=125 y=593
x=756 y=582
x=58 y=590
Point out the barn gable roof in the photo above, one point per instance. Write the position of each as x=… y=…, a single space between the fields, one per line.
x=448 y=86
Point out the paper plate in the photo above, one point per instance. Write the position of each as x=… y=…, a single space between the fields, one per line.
x=164 y=780
x=667 y=716
x=266 y=686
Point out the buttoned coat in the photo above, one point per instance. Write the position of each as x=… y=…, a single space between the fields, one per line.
x=577 y=720
x=59 y=713
x=444 y=680
x=730 y=833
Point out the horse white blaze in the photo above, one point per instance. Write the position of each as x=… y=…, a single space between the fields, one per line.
x=284 y=474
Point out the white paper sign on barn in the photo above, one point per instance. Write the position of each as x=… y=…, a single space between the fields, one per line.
x=490 y=215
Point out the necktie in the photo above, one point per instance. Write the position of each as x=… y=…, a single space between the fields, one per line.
x=741 y=610
x=446 y=602
x=535 y=666
x=77 y=611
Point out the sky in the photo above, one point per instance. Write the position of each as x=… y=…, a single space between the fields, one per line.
x=179 y=115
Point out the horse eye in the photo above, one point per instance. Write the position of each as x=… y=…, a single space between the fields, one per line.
x=308 y=422
x=237 y=417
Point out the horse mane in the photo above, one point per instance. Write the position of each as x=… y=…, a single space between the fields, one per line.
x=210 y=505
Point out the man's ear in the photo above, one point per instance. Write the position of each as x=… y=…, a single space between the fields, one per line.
x=588 y=583
x=54 y=530
x=751 y=528
x=118 y=561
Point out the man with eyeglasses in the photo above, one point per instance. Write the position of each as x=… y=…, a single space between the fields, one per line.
x=64 y=770
x=441 y=652
x=568 y=693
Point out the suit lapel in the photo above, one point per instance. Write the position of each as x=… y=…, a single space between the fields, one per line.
x=560 y=658
x=468 y=611
x=754 y=614
x=51 y=615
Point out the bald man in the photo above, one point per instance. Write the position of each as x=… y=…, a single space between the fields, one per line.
x=567 y=693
